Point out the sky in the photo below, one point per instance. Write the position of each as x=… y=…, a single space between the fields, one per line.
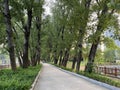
x=47 y=6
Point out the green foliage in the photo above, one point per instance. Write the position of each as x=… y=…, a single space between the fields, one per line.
x=18 y=80
x=109 y=55
x=110 y=43
x=112 y=55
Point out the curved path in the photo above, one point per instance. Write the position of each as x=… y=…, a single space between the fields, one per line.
x=52 y=78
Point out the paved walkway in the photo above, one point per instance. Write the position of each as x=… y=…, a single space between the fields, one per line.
x=52 y=78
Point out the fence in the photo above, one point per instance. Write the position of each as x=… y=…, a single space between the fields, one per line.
x=4 y=66
x=112 y=71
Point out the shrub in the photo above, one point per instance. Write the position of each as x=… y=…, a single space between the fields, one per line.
x=18 y=80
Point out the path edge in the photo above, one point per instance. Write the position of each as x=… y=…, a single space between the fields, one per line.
x=36 y=79
x=110 y=87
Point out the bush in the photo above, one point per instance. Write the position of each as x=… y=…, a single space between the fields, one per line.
x=18 y=80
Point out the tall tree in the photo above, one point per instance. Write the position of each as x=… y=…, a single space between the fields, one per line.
x=27 y=27
x=104 y=16
x=39 y=12
x=10 y=38
x=82 y=31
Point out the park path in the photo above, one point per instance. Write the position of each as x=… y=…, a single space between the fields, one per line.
x=52 y=78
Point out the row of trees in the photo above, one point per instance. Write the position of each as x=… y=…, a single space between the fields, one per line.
x=73 y=31
x=22 y=20
x=77 y=23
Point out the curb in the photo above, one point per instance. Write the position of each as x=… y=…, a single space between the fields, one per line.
x=107 y=86
x=36 y=80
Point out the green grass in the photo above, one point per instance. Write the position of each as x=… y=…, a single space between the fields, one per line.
x=21 y=79
x=82 y=65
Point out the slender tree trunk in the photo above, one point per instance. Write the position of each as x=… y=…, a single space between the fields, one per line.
x=74 y=62
x=20 y=61
x=38 y=25
x=55 y=60
x=9 y=35
x=66 y=60
x=60 y=61
x=19 y=57
x=79 y=58
x=66 y=56
x=82 y=32
x=91 y=57
x=33 y=56
x=26 y=61
x=50 y=50
x=27 y=28
x=55 y=57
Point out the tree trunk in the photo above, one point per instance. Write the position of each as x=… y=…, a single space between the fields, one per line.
x=74 y=62
x=33 y=58
x=65 y=59
x=82 y=33
x=18 y=53
x=55 y=55
x=38 y=25
x=20 y=61
x=27 y=27
x=60 y=61
x=19 y=57
x=26 y=61
x=91 y=57
x=55 y=60
x=79 y=57
x=9 y=35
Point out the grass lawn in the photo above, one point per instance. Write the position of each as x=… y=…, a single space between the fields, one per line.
x=21 y=79
x=82 y=66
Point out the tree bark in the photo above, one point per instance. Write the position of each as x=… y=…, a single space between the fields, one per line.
x=65 y=59
x=82 y=33
x=74 y=62
x=9 y=35
x=26 y=62
x=38 y=25
x=27 y=28
x=55 y=57
x=60 y=60
x=91 y=57
x=79 y=57
x=20 y=61
x=33 y=59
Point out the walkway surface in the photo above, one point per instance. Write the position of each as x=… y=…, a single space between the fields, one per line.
x=52 y=78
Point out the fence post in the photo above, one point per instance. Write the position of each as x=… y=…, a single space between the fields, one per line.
x=116 y=72
x=105 y=71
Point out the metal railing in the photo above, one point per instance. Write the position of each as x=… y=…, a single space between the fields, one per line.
x=112 y=71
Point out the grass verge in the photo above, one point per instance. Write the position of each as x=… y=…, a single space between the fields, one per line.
x=95 y=76
x=21 y=79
